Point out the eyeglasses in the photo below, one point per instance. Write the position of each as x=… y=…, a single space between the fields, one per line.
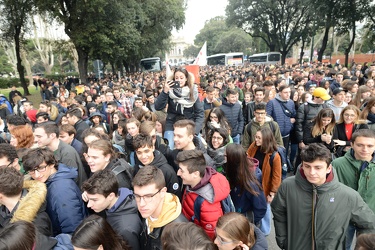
x=221 y=241
x=40 y=169
x=349 y=115
x=218 y=138
x=6 y=166
x=260 y=113
x=146 y=198
x=213 y=117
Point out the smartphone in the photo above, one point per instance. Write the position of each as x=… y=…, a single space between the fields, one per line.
x=176 y=84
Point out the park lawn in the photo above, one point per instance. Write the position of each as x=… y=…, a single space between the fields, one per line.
x=34 y=96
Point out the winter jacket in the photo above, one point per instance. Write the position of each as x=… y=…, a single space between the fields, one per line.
x=308 y=137
x=80 y=126
x=302 y=118
x=261 y=241
x=170 y=176
x=124 y=219
x=339 y=133
x=64 y=200
x=334 y=204
x=247 y=201
x=214 y=188
x=275 y=109
x=174 y=112
x=271 y=176
x=233 y=113
x=255 y=126
x=123 y=172
x=349 y=173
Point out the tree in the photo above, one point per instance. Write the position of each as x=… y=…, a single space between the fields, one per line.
x=234 y=40
x=280 y=24
x=14 y=16
x=191 y=51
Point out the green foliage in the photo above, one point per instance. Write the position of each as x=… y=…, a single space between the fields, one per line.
x=9 y=82
x=191 y=51
x=234 y=40
x=5 y=66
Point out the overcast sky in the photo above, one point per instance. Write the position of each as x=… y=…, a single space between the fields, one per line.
x=198 y=11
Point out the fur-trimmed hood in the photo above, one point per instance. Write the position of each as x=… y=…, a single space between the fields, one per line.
x=31 y=203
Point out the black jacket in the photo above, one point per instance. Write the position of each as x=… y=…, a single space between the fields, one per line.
x=80 y=126
x=123 y=172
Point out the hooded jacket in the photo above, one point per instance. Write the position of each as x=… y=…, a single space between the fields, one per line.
x=170 y=176
x=301 y=210
x=124 y=219
x=349 y=173
x=275 y=109
x=233 y=113
x=32 y=208
x=123 y=172
x=214 y=188
x=151 y=234
x=64 y=203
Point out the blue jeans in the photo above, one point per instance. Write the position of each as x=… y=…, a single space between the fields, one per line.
x=237 y=139
x=265 y=225
x=349 y=236
x=169 y=136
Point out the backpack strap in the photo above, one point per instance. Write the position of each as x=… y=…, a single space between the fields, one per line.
x=248 y=129
x=118 y=169
x=197 y=208
x=272 y=157
x=272 y=127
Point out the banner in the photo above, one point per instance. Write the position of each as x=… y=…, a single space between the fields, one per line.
x=201 y=59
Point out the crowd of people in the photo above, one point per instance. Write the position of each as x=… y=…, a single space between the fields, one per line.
x=159 y=160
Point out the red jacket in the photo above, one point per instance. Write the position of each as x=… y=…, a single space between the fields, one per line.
x=215 y=190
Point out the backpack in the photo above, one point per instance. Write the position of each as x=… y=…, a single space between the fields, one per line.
x=248 y=128
x=226 y=205
x=284 y=161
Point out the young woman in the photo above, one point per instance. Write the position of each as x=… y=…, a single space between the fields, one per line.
x=22 y=136
x=183 y=102
x=215 y=119
x=349 y=123
x=363 y=93
x=219 y=138
x=18 y=235
x=95 y=233
x=160 y=126
x=132 y=128
x=96 y=120
x=101 y=155
x=368 y=113
x=320 y=130
x=118 y=136
x=246 y=192
x=261 y=149
x=116 y=117
x=233 y=231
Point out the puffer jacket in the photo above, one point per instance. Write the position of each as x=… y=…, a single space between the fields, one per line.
x=275 y=110
x=214 y=188
x=64 y=201
x=334 y=204
x=233 y=113
x=348 y=172
x=124 y=219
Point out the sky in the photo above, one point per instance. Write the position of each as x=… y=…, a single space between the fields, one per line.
x=197 y=13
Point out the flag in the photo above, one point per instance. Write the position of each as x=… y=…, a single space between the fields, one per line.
x=201 y=59
x=168 y=71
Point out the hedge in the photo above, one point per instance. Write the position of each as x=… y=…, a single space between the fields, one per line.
x=9 y=82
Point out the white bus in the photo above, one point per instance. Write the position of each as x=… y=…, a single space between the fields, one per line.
x=265 y=58
x=151 y=64
x=228 y=59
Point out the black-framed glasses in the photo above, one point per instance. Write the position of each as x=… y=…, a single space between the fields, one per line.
x=6 y=166
x=40 y=169
x=146 y=198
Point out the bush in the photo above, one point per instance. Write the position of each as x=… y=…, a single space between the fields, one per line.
x=61 y=77
x=9 y=82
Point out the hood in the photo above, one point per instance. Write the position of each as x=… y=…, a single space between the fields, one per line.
x=159 y=159
x=30 y=204
x=277 y=97
x=125 y=202
x=63 y=172
x=206 y=178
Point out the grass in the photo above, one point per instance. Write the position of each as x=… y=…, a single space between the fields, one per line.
x=34 y=96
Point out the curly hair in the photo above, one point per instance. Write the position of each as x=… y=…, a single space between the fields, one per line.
x=24 y=135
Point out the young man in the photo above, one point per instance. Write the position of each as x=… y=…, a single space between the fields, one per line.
x=356 y=169
x=337 y=103
x=248 y=111
x=204 y=181
x=210 y=101
x=9 y=157
x=147 y=155
x=261 y=119
x=157 y=207
x=74 y=117
x=233 y=112
x=313 y=209
x=64 y=203
x=47 y=135
x=102 y=193
x=67 y=134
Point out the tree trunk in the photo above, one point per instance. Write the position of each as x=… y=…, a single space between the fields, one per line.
x=347 y=50
x=302 y=53
x=325 y=40
x=20 y=68
x=83 y=59
x=283 y=56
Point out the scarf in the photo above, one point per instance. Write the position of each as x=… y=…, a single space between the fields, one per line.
x=170 y=211
x=181 y=97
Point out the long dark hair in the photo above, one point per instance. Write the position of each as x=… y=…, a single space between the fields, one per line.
x=221 y=118
x=269 y=144
x=18 y=235
x=238 y=171
x=95 y=231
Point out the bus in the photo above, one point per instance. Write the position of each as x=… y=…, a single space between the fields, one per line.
x=151 y=64
x=265 y=58
x=228 y=59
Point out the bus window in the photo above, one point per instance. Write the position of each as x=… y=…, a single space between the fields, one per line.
x=151 y=64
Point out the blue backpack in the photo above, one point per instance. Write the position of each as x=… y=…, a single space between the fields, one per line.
x=226 y=205
x=284 y=161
